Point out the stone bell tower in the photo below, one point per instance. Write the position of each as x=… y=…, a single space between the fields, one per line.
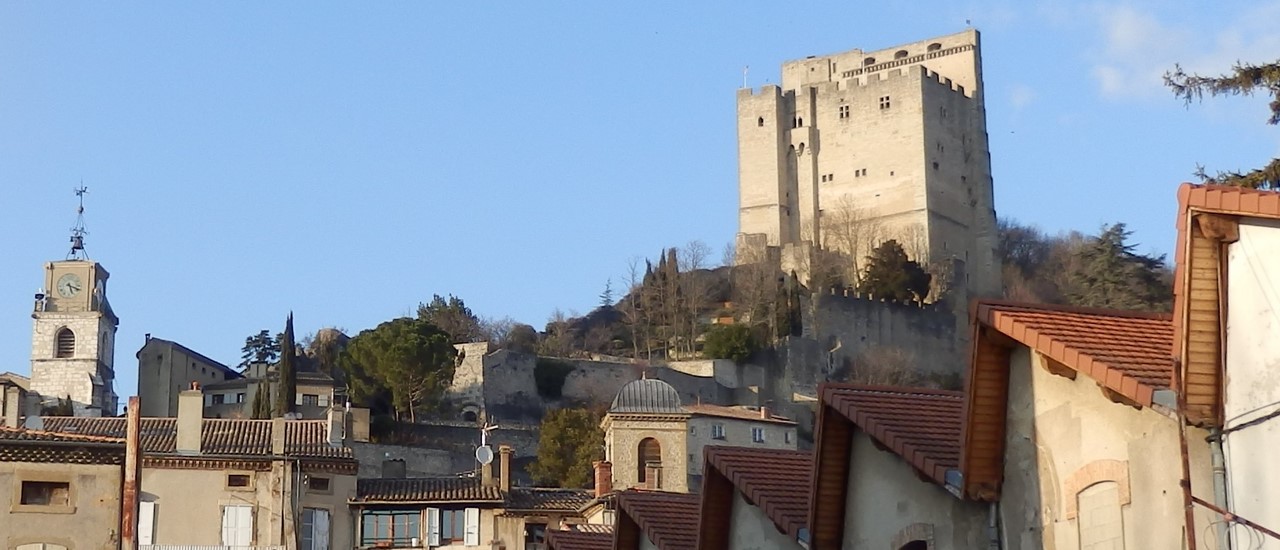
x=73 y=339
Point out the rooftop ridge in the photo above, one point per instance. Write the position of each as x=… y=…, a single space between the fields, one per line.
x=979 y=303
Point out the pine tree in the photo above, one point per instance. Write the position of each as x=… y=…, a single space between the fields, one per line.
x=286 y=400
x=891 y=275
x=1244 y=79
x=1112 y=275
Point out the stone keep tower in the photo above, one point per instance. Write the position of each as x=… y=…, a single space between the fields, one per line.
x=859 y=147
x=73 y=341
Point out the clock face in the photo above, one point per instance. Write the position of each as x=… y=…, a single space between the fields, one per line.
x=69 y=285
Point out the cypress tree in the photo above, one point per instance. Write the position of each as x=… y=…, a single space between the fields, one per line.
x=286 y=399
x=262 y=401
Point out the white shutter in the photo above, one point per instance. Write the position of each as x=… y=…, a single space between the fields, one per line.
x=146 y=522
x=433 y=527
x=473 y=527
x=237 y=525
x=320 y=530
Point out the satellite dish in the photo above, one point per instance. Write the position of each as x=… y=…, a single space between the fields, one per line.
x=484 y=454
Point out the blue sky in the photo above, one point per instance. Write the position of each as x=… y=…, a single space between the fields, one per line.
x=346 y=161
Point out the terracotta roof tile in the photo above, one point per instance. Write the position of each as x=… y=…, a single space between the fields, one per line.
x=21 y=445
x=741 y=413
x=920 y=425
x=670 y=520
x=579 y=540
x=19 y=434
x=425 y=490
x=1124 y=350
x=303 y=438
x=593 y=528
x=528 y=498
x=772 y=479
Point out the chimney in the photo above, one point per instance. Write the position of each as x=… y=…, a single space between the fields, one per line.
x=337 y=427
x=486 y=475
x=765 y=412
x=190 y=420
x=653 y=475
x=360 y=425
x=393 y=469
x=504 y=462
x=131 y=490
x=277 y=436
x=12 y=406
x=604 y=477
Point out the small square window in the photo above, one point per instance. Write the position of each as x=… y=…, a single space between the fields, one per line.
x=884 y=102
x=693 y=430
x=844 y=111
x=311 y=400
x=239 y=481
x=218 y=399
x=46 y=493
x=240 y=397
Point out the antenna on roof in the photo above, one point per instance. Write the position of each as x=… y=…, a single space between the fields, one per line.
x=78 y=231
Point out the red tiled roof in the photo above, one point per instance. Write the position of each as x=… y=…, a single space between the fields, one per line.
x=592 y=528
x=670 y=520
x=19 y=434
x=740 y=413
x=531 y=498
x=579 y=540
x=920 y=425
x=425 y=490
x=1125 y=351
x=303 y=438
x=772 y=479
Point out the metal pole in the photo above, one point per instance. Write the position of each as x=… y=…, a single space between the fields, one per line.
x=1232 y=517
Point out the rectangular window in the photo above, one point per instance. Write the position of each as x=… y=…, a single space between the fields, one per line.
x=884 y=102
x=452 y=526
x=535 y=536
x=46 y=493
x=717 y=431
x=757 y=435
x=324 y=400
x=786 y=437
x=693 y=430
x=218 y=398
x=237 y=525
x=318 y=484
x=311 y=400
x=240 y=397
x=315 y=529
x=844 y=111
x=239 y=481
x=390 y=527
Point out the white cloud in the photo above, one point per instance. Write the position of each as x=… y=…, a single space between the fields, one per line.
x=1020 y=96
x=1138 y=46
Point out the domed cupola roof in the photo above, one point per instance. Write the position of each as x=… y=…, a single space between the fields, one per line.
x=647 y=396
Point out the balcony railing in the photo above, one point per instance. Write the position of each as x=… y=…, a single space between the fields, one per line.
x=205 y=547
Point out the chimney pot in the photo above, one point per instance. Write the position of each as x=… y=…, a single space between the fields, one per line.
x=604 y=477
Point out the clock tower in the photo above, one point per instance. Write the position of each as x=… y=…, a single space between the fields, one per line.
x=73 y=340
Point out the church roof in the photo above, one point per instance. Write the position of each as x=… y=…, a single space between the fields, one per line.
x=647 y=396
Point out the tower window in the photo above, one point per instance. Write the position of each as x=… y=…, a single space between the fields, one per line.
x=760 y=122
x=934 y=47
x=884 y=102
x=800 y=122
x=66 y=343
x=844 y=111
x=868 y=62
x=900 y=54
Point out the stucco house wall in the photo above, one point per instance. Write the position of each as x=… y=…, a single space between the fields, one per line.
x=1075 y=457
x=1253 y=373
x=751 y=529
x=737 y=433
x=888 y=505
x=91 y=522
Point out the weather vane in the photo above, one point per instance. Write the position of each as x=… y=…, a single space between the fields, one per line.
x=78 y=232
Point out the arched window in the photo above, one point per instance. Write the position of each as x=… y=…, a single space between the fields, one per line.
x=900 y=54
x=800 y=151
x=650 y=451
x=1100 y=520
x=800 y=122
x=868 y=62
x=469 y=416
x=934 y=47
x=760 y=122
x=66 y=343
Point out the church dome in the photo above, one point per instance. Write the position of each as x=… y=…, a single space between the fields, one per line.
x=647 y=396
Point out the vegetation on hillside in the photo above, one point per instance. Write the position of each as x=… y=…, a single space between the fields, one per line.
x=403 y=365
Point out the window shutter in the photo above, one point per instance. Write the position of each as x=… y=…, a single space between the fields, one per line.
x=237 y=526
x=433 y=527
x=320 y=530
x=473 y=527
x=146 y=522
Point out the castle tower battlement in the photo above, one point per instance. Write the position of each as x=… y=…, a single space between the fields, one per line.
x=859 y=147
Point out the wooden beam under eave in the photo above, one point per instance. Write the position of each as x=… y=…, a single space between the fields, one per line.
x=1055 y=367
x=1219 y=227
